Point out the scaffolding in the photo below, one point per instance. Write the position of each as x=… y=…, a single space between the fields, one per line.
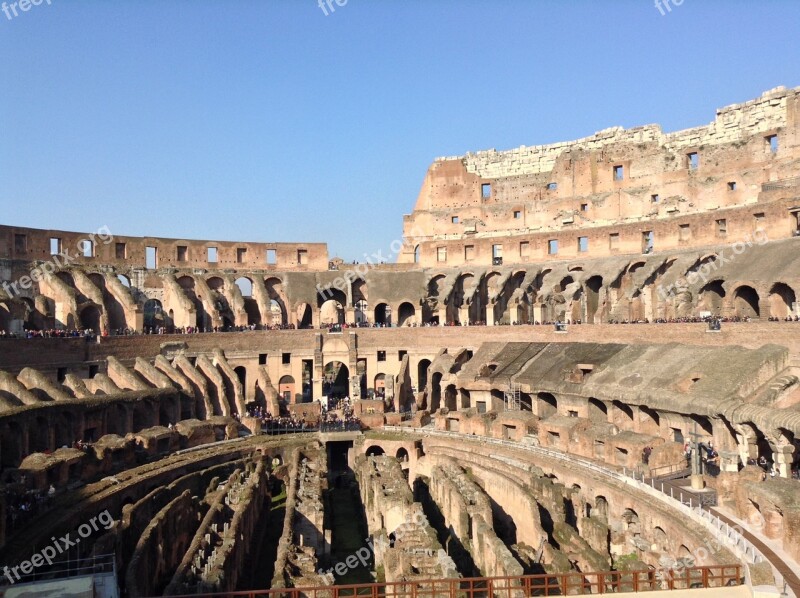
x=513 y=397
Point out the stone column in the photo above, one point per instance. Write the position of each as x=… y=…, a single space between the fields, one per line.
x=489 y=315
x=442 y=315
x=513 y=313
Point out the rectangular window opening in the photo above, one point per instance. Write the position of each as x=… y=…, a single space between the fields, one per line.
x=55 y=246
x=262 y=359
x=183 y=252
x=302 y=257
x=241 y=255
x=684 y=232
x=486 y=190
x=552 y=186
x=722 y=226
x=524 y=249
x=655 y=198
x=87 y=248
x=20 y=243
x=381 y=355
x=693 y=160
x=286 y=358
x=441 y=254
x=469 y=252
x=150 y=258
x=647 y=241
x=552 y=247
x=583 y=244
x=121 y=251
x=613 y=241
x=619 y=173
x=212 y=255
x=772 y=143
x=517 y=214
x=454 y=219
x=584 y=207
x=732 y=186
x=272 y=257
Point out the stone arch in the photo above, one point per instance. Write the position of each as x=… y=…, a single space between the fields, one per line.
x=303 y=314
x=40 y=435
x=90 y=318
x=11 y=445
x=622 y=415
x=277 y=296
x=406 y=314
x=241 y=374
x=598 y=411
x=286 y=388
x=451 y=397
x=745 y=302
x=336 y=379
x=331 y=312
x=245 y=285
x=375 y=451
x=594 y=286
x=117 y=420
x=712 y=295
x=383 y=314
x=547 y=405
x=422 y=373
x=141 y=416
x=402 y=455
x=782 y=299
x=436 y=391
x=379 y=385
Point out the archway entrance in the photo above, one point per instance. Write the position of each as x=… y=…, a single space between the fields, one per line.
x=336 y=380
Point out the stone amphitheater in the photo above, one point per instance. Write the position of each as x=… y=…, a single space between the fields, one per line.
x=581 y=375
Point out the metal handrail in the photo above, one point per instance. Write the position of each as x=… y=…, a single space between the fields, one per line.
x=547 y=584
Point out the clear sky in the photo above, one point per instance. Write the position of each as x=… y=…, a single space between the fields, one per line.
x=266 y=120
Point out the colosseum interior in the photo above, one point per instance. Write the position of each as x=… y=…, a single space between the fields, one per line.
x=581 y=376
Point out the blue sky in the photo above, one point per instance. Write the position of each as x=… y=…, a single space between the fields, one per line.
x=266 y=120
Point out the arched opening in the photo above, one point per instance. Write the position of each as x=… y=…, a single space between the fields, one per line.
x=416 y=254
x=547 y=405
x=245 y=286
x=90 y=318
x=362 y=311
x=286 y=389
x=383 y=314
x=711 y=296
x=40 y=436
x=781 y=300
x=622 y=415
x=406 y=314
x=336 y=380
x=450 y=397
x=649 y=421
x=141 y=417
x=402 y=455
x=600 y=508
x=598 y=412
x=278 y=313
x=745 y=302
x=436 y=391
x=124 y=280
x=153 y=313
x=379 y=386
x=117 y=420
x=375 y=451
x=593 y=286
x=187 y=283
x=422 y=373
x=304 y=316
x=241 y=374
x=331 y=312
x=11 y=449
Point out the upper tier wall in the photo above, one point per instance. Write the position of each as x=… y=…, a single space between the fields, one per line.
x=32 y=244
x=616 y=177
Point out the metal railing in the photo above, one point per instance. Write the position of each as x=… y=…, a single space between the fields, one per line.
x=92 y=565
x=554 y=584
x=782 y=184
